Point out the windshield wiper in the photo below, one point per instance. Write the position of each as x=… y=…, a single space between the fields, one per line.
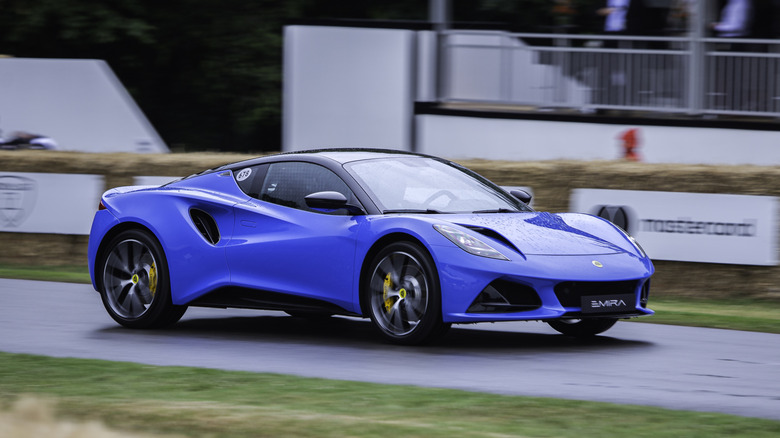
x=497 y=210
x=412 y=210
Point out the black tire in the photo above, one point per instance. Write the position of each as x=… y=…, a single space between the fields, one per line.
x=402 y=295
x=134 y=282
x=582 y=328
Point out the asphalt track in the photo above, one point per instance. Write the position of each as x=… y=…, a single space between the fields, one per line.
x=646 y=364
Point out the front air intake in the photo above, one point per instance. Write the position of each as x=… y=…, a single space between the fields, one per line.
x=206 y=225
x=503 y=296
x=645 y=295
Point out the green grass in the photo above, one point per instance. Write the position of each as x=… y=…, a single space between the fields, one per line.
x=749 y=315
x=204 y=402
x=67 y=274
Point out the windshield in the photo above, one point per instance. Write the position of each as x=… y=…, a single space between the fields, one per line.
x=426 y=185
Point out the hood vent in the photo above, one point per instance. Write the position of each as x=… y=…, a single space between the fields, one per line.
x=492 y=234
x=206 y=225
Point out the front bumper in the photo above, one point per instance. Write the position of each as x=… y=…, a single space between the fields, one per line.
x=543 y=287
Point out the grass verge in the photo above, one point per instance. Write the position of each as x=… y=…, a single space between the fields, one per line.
x=203 y=402
x=66 y=274
x=748 y=315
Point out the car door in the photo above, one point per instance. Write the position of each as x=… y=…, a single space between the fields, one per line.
x=282 y=245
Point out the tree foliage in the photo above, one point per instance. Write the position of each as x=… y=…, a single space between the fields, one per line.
x=208 y=73
x=532 y=15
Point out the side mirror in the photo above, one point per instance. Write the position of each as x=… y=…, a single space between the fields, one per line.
x=522 y=195
x=326 y=200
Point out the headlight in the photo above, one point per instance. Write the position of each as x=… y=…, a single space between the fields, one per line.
x=633 y=242
x=469 y=243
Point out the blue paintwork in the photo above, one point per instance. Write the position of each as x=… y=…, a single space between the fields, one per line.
x=269 y=247
x=560 y=252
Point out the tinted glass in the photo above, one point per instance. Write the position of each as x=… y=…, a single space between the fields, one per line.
x=289 y=183
x=250 y=179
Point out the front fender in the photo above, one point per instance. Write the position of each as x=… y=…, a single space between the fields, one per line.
x=102 y=223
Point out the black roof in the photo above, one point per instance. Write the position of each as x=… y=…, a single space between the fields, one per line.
x=339 y=155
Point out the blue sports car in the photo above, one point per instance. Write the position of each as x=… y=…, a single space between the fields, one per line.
x=413 y=242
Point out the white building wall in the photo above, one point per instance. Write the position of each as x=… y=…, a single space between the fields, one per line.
x=533 y=140
x=79 y=103
x=348 y=87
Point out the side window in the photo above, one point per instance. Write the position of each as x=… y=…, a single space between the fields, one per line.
x=250 y=179
x=290 y=182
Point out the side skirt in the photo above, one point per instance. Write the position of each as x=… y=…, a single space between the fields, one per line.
x=246 y=298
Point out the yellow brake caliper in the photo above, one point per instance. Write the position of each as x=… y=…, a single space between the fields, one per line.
x=152 y=279
x=389 y=301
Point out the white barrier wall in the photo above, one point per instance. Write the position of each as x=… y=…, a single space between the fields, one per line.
x=48 y=202
x=534 y=140
x=691 y=227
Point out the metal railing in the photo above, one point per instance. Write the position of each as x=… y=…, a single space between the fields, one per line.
x=588 y=72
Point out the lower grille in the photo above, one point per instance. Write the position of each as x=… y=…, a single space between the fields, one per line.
x=643 y=298
x=503 y=296
x=570 y=293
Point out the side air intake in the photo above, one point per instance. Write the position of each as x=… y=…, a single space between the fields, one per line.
x=206 y=225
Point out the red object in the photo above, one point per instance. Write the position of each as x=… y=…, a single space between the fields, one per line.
x=630 y=140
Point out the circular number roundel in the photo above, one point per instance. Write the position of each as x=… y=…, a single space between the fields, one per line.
x=243 y=174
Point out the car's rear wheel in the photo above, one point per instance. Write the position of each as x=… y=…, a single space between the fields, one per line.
x=134 y=282
x=582 y=328
x=403 y=296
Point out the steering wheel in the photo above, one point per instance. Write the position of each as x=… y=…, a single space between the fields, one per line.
x=439 y=194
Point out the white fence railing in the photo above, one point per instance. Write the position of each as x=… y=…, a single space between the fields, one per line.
x=587 y=72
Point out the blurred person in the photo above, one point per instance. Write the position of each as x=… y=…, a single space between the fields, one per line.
x=25 y=140
x=614 y=15
x=624 y=17
x=621 y=17
x=735 y=91
x=736 y=19
x=629 y=140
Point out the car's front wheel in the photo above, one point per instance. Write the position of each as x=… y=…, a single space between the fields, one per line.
x=582 y=328
x=134 y=282
x=402 y=294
